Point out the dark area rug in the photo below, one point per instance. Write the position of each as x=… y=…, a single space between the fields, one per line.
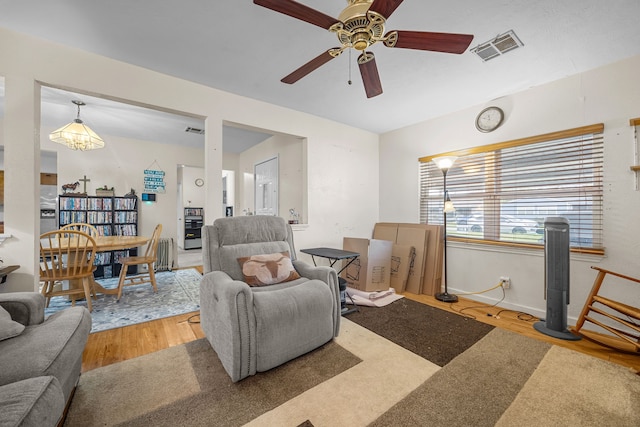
x=437 y=335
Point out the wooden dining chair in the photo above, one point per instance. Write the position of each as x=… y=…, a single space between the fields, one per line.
x=148 y=259
x=82 y=226
x=67 y=255
x=619 y=321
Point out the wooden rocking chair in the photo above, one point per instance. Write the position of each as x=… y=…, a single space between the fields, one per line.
x=619 y=319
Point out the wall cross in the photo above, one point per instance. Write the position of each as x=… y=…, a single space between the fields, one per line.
x=84 y=181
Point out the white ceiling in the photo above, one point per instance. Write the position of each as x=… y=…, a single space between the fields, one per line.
x=246 y=49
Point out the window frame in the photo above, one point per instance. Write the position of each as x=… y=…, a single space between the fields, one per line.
x=595 y=130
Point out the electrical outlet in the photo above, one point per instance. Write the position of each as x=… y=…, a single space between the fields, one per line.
x=505 y=281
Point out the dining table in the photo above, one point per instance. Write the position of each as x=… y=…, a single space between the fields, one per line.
x=107 y=244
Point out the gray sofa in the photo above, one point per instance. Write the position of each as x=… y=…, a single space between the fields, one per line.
x=256 y=328
x=40 y=359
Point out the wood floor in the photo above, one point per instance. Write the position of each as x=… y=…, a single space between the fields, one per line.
x=115 y=345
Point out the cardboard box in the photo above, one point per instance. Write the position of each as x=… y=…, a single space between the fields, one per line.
x=371 y=271
x=402 y=258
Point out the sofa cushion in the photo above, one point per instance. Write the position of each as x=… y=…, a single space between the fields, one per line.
x=53 y=347
x=291 y=322
x=8 y=328
x=267 y=269
x=35 y=401
x=26 y=308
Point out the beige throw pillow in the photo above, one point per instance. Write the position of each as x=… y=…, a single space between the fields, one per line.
x=268 y=269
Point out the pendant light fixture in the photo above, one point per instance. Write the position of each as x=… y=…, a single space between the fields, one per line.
x=76 y=135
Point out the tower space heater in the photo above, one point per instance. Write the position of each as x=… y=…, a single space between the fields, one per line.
x=556 y=278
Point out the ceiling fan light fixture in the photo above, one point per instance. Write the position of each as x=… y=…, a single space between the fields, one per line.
x=76 y=135
x=360 y=41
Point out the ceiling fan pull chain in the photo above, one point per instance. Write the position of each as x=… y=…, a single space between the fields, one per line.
x=349 y=81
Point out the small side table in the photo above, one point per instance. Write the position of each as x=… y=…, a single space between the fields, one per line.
x=4 y=272
x=335 y=255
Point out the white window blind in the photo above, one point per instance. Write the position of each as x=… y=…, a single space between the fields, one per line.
x=503 y=192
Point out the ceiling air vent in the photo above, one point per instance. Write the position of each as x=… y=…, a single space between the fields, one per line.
x=189 y=129
x=498 y=46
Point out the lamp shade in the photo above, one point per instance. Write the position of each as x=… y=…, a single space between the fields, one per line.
x=76 y=135
x=448 y=206
x=444 y=162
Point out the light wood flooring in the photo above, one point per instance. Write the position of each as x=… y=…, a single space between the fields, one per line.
x=115 y=345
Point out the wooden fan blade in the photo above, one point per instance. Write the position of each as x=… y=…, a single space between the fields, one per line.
x=310 y=66
x=438 y=42
x=299 y=11
x=370 y=76
x=385 y=7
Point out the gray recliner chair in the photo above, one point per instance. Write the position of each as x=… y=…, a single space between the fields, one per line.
x=256 y=328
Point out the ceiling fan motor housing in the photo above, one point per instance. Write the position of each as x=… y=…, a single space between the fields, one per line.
x=359 y=28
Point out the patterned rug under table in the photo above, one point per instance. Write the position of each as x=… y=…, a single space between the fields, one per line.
x=178 y=293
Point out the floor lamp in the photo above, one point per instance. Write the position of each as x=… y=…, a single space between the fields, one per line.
x=444 y=163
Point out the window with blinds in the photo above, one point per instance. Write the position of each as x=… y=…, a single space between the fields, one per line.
x=503 y=192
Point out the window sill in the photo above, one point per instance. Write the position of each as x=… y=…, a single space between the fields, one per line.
x=591 y=255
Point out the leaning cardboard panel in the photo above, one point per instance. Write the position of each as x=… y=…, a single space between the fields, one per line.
x=432 y=281
x=402 y=257
x=415 y=235
x=371 y=271
x=386 y=231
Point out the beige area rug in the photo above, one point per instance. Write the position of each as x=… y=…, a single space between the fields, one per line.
x=363 y=379
x=579 y=390
x=187 y=386
x=507 y=379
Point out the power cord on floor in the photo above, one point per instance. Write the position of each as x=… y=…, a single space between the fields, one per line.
x=190 y=319
x=521 y=315
x=471 y=316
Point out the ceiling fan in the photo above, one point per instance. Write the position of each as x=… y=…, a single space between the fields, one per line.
x=360 y=25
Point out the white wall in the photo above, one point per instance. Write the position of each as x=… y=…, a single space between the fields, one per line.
x=342 y=161
x=609 y=95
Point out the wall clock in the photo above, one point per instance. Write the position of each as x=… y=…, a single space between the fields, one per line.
x=199 y=182
x=489 y=119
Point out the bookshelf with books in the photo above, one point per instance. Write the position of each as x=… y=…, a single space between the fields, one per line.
x=111 y=215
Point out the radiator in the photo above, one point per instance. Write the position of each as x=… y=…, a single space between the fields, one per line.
x=166 y=255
